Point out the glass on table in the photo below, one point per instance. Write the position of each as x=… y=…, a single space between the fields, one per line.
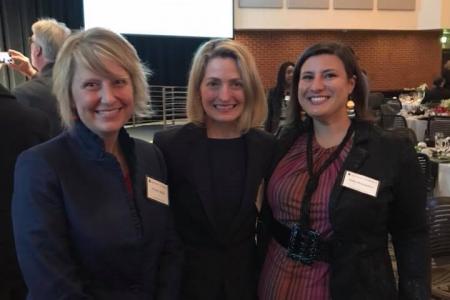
x=439 y=141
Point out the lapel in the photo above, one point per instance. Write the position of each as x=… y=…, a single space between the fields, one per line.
x=198 y=162
x=253 y=177
x=356 y=157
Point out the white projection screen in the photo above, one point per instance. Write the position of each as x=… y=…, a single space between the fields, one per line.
x=190 y=18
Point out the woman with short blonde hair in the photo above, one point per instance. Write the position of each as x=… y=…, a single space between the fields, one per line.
x=86 y=223
x=216 y=164
x=255 y=109
x=90 y=49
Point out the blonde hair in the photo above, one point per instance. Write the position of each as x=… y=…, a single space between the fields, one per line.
x=50 y=35
x=255 y=108
x=90 y=49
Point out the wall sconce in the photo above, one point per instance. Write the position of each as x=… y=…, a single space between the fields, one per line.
x=443 y=39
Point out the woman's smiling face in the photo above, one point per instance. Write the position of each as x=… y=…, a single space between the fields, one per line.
x=324 y=87
x=103 y=104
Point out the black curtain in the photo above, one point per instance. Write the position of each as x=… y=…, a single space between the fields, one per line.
x=168 y=57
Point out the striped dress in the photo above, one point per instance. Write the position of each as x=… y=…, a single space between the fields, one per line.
x=281 y=277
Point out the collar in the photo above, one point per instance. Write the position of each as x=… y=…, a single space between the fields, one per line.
x=47 y=70
x=291 y=132
x=92 y=145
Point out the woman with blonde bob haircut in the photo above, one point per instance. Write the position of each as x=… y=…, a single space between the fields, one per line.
x=85 y=221
x=255 y=109
x=216 y=164
x=90 y=49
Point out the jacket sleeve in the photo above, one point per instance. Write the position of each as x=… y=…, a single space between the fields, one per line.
x=169 y=277
x=409 y=228
x=41 y=232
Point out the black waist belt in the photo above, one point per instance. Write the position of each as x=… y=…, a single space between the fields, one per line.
x=283 y=235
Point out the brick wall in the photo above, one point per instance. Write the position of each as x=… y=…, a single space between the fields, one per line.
x=392 y=59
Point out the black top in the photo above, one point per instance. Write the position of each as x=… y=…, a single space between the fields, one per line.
x=228 y=163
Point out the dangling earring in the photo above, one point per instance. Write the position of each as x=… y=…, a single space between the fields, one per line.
x=350 y=108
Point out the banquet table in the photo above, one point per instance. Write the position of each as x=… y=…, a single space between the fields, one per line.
x=418 y=125
x=442 y=186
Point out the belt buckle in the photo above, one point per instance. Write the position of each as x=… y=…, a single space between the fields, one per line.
x=303 y=245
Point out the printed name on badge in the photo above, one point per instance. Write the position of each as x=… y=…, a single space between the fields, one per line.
x=158 y=191
x=361 y=183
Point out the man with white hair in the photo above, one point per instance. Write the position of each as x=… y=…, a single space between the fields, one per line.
x=48 y=36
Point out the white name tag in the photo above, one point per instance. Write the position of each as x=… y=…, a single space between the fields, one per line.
x=361 y=183
x=157 y=190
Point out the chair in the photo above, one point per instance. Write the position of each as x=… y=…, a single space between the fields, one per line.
x=405 y=132
x=439 y=125
x=389 y=121
x=424 y=162
x=394 y=103
x=439 y=231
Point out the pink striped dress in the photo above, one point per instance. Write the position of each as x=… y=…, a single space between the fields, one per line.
x=281 y=277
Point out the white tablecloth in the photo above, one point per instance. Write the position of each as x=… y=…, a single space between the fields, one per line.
x=442 y=187
x=418 y=126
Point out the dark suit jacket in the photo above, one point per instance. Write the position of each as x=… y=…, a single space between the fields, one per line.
x=37 y=93
x=80 y=234
x=216 y=266
x=360 y=263
x=22 y=127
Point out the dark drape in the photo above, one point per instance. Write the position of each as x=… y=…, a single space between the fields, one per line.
x=168 y=57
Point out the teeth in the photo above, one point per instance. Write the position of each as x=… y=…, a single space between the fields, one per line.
x=224 y=106
x=317 y=99
x=107 y=111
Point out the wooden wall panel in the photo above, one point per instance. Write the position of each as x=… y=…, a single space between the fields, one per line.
x=260 y=3
x=316 y=4
x=353 y=4
x=397 y=4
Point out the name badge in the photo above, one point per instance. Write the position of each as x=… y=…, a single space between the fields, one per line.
x=157 y=191
x=287 y=98
x=361 y=183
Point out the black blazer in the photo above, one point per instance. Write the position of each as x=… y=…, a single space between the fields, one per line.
x=360 y=263
x=22 y=128
x=216 y=266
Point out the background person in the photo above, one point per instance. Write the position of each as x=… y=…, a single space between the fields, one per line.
x=278 y=97
x=437 y=93
x=48 y=36
x=85 y=223
x=216 y=164
x=23 y=127
x=330 y=227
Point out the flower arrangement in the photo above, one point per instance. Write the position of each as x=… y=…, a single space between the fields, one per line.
x=445 y=103
x=443 y=108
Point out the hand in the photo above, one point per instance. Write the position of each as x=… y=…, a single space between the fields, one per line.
x=21 y=63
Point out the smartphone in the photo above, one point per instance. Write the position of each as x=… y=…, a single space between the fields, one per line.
x=5 y=58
